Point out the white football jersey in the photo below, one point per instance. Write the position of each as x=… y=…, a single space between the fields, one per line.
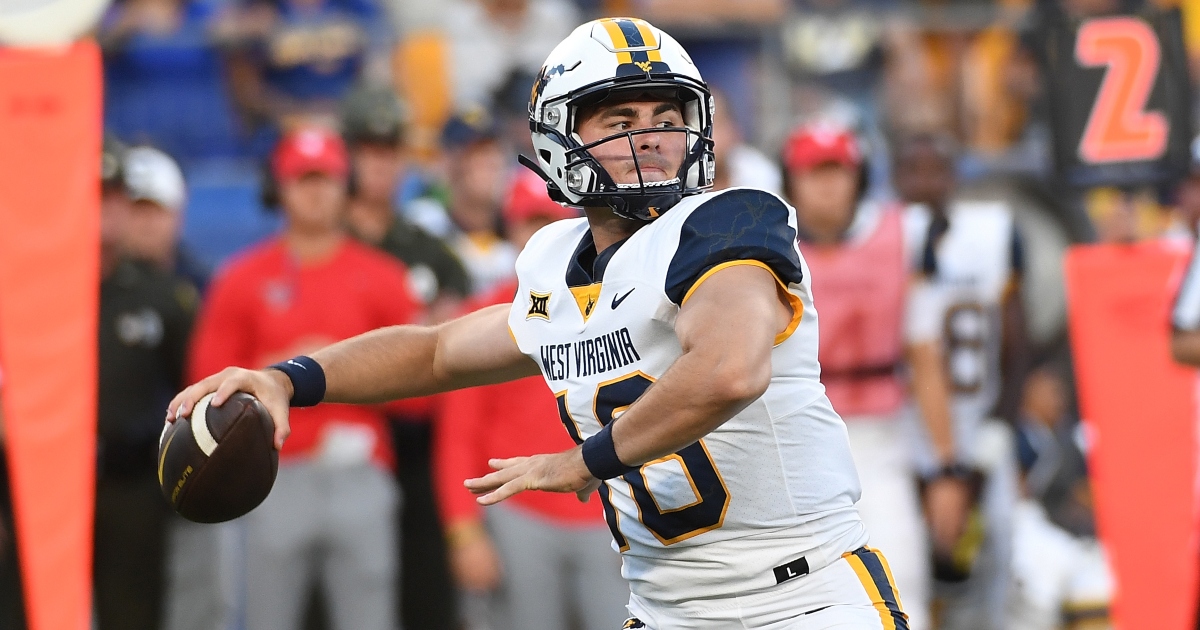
x=771 y=485
x=971 y=266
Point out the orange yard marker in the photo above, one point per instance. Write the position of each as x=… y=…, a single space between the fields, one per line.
x=1140 y=411
x=50 y=125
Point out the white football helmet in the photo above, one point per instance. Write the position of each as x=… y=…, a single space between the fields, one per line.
x=596 y=60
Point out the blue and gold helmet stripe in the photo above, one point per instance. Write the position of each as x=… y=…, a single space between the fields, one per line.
x=633 y=35
x=620 y=43
x=647 y=34
x=638 y=35
x=637 y=48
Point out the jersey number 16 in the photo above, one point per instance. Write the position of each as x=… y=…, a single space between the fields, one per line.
x=671 y=524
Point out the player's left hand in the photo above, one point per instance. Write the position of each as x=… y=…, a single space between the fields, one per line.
x=552 y=472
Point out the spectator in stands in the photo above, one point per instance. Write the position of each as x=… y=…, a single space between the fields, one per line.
x=331 y=517
x=478 y=167
x=490 y=39
x=545 y=557
x=162 y=77
x=1048 y=447
x=739 y=163
x=971 y=254
x=156 y=193
x=1061 y=577
x=292 y=61
x=156 y=188
x=838 y=47
x=146 y=318
x=373 y=125
x=510 y=104
x=1133 y=214
x=855 y=61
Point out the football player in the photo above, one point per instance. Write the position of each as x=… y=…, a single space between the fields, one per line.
x=970 y=253
x=678 y=332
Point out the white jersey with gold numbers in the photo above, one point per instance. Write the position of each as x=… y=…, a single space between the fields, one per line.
x=765 y=497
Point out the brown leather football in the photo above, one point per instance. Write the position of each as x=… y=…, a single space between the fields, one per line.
x=220 y=463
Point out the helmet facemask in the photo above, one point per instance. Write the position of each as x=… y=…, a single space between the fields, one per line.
x=581 y=173
x=644 y=199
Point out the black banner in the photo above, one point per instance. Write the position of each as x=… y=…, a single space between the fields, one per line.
x=1120 y=99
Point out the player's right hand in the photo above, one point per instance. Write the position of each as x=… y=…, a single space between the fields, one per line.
x=271 y=387
x=550 y=472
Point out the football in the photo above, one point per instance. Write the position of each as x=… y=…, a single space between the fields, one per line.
x=220 y=463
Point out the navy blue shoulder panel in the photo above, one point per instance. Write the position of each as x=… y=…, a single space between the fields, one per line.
x=743 y=224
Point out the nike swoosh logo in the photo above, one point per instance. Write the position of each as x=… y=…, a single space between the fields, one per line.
x=617 y=300
x=299 y=365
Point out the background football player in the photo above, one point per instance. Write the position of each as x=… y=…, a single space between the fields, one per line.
x=970 y=252
x=678 y=332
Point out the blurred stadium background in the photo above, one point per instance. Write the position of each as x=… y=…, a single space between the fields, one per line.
x=430 y=98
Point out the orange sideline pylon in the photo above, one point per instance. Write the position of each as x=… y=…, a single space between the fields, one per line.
x=1139 y=409
x=50 y=126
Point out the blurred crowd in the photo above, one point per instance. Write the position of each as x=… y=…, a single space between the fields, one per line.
x=280 y=174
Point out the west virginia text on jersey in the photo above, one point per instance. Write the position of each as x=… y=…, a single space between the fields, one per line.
x=609 y=351
x=774 y=483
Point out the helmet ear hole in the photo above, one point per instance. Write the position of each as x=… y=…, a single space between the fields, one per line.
x=546 y=156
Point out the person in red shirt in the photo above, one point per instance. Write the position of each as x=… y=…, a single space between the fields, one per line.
x=879 y=368
x=331 y=517
x=549 y=552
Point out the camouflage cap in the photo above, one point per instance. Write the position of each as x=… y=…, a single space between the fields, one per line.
x=373 y=114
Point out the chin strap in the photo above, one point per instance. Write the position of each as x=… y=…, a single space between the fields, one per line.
x=551 y=188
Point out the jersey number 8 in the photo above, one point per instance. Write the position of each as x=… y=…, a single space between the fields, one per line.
x=668 y=524
x=966 y=349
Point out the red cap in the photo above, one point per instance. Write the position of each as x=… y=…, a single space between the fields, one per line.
x=310 y=150
x=812 y=145
x=527 y=198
